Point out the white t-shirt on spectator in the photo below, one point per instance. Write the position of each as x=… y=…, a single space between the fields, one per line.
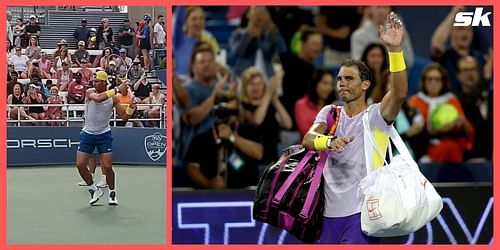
x=160 y=34
x=19 y=62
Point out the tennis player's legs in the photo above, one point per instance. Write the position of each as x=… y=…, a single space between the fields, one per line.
x=104 y=144
x=83 y=155
x=85 y=149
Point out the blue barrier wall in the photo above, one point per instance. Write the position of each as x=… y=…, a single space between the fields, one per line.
x=225 y=217
x=32 y=146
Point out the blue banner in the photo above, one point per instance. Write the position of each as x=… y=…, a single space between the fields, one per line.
x=32 y=146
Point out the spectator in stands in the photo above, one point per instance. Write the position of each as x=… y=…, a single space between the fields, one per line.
x=45 y=64
x=368 y=32
x=202 y=91
x=123 y=62
x=10 y=84
x=33 y=50
x=159 y=34
x=142 y=87
x=81 y=53
x=460 y=38
x=145 y=42
x=63 y=57
x=104 y=34
x=189 y=28
x=9 y=51
x=230 y=136
x=256 y=44
x=136 y=40
x=45 y=89
x=163 y=62
x=64 y=77
x=85 y=72
x=157 y=98
x=81 y=33
x=34 y=68
x=126 y=98
x=10 y=34
x=34 y=97
x=235 y=14
x=92 y=41
x=19 y=33
x=34 y=80
x=338 y=23
x=375 y=57
x=63 y=44
x=299 y=71
x=179 y=95
x=55 y=112
x=104 y=62
x=291 y=21
x=477 y=100
x=135 y=72
x=448 y=142
x=321 y=92
x=17 y=98
x=262 y=107
x=19 y=61
x=112 y=69
x=114 y=48
x=76 y=90
x=33 y=29
x=127 y=34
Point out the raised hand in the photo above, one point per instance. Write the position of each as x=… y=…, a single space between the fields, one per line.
x=392 y=33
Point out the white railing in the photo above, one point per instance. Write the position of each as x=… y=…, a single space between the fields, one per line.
x=71 y=114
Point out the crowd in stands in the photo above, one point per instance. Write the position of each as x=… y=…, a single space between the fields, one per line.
x=236 y=106
x=62 y=75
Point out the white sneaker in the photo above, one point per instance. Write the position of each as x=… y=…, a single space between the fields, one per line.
x=95 y=195
x=102 y=183
x=112 y=199
x=82 y=183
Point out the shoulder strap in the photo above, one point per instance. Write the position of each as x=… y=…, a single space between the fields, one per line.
x=333 y=119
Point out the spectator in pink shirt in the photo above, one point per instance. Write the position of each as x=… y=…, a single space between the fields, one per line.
x=321 y=93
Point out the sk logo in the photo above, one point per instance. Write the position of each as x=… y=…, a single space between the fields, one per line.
x=155 y=145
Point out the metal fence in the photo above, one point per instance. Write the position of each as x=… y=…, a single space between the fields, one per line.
x=74 y=113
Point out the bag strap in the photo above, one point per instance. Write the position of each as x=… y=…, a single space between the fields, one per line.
x=275 y=179
x=318 y=174
x=279 y=195
x=333 y=119
x=401 y=147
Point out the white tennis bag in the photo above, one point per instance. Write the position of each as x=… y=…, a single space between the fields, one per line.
x=398 y=199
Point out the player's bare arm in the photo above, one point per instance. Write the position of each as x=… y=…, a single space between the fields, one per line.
x=392 y=35
x=92 y=95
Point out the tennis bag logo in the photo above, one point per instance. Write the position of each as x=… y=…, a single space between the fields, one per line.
x=155 y=145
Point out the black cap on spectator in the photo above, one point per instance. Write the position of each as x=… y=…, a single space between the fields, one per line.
x=126 y=21
x=84 y=20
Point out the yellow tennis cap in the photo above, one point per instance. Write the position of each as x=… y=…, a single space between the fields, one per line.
x=101 y=76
